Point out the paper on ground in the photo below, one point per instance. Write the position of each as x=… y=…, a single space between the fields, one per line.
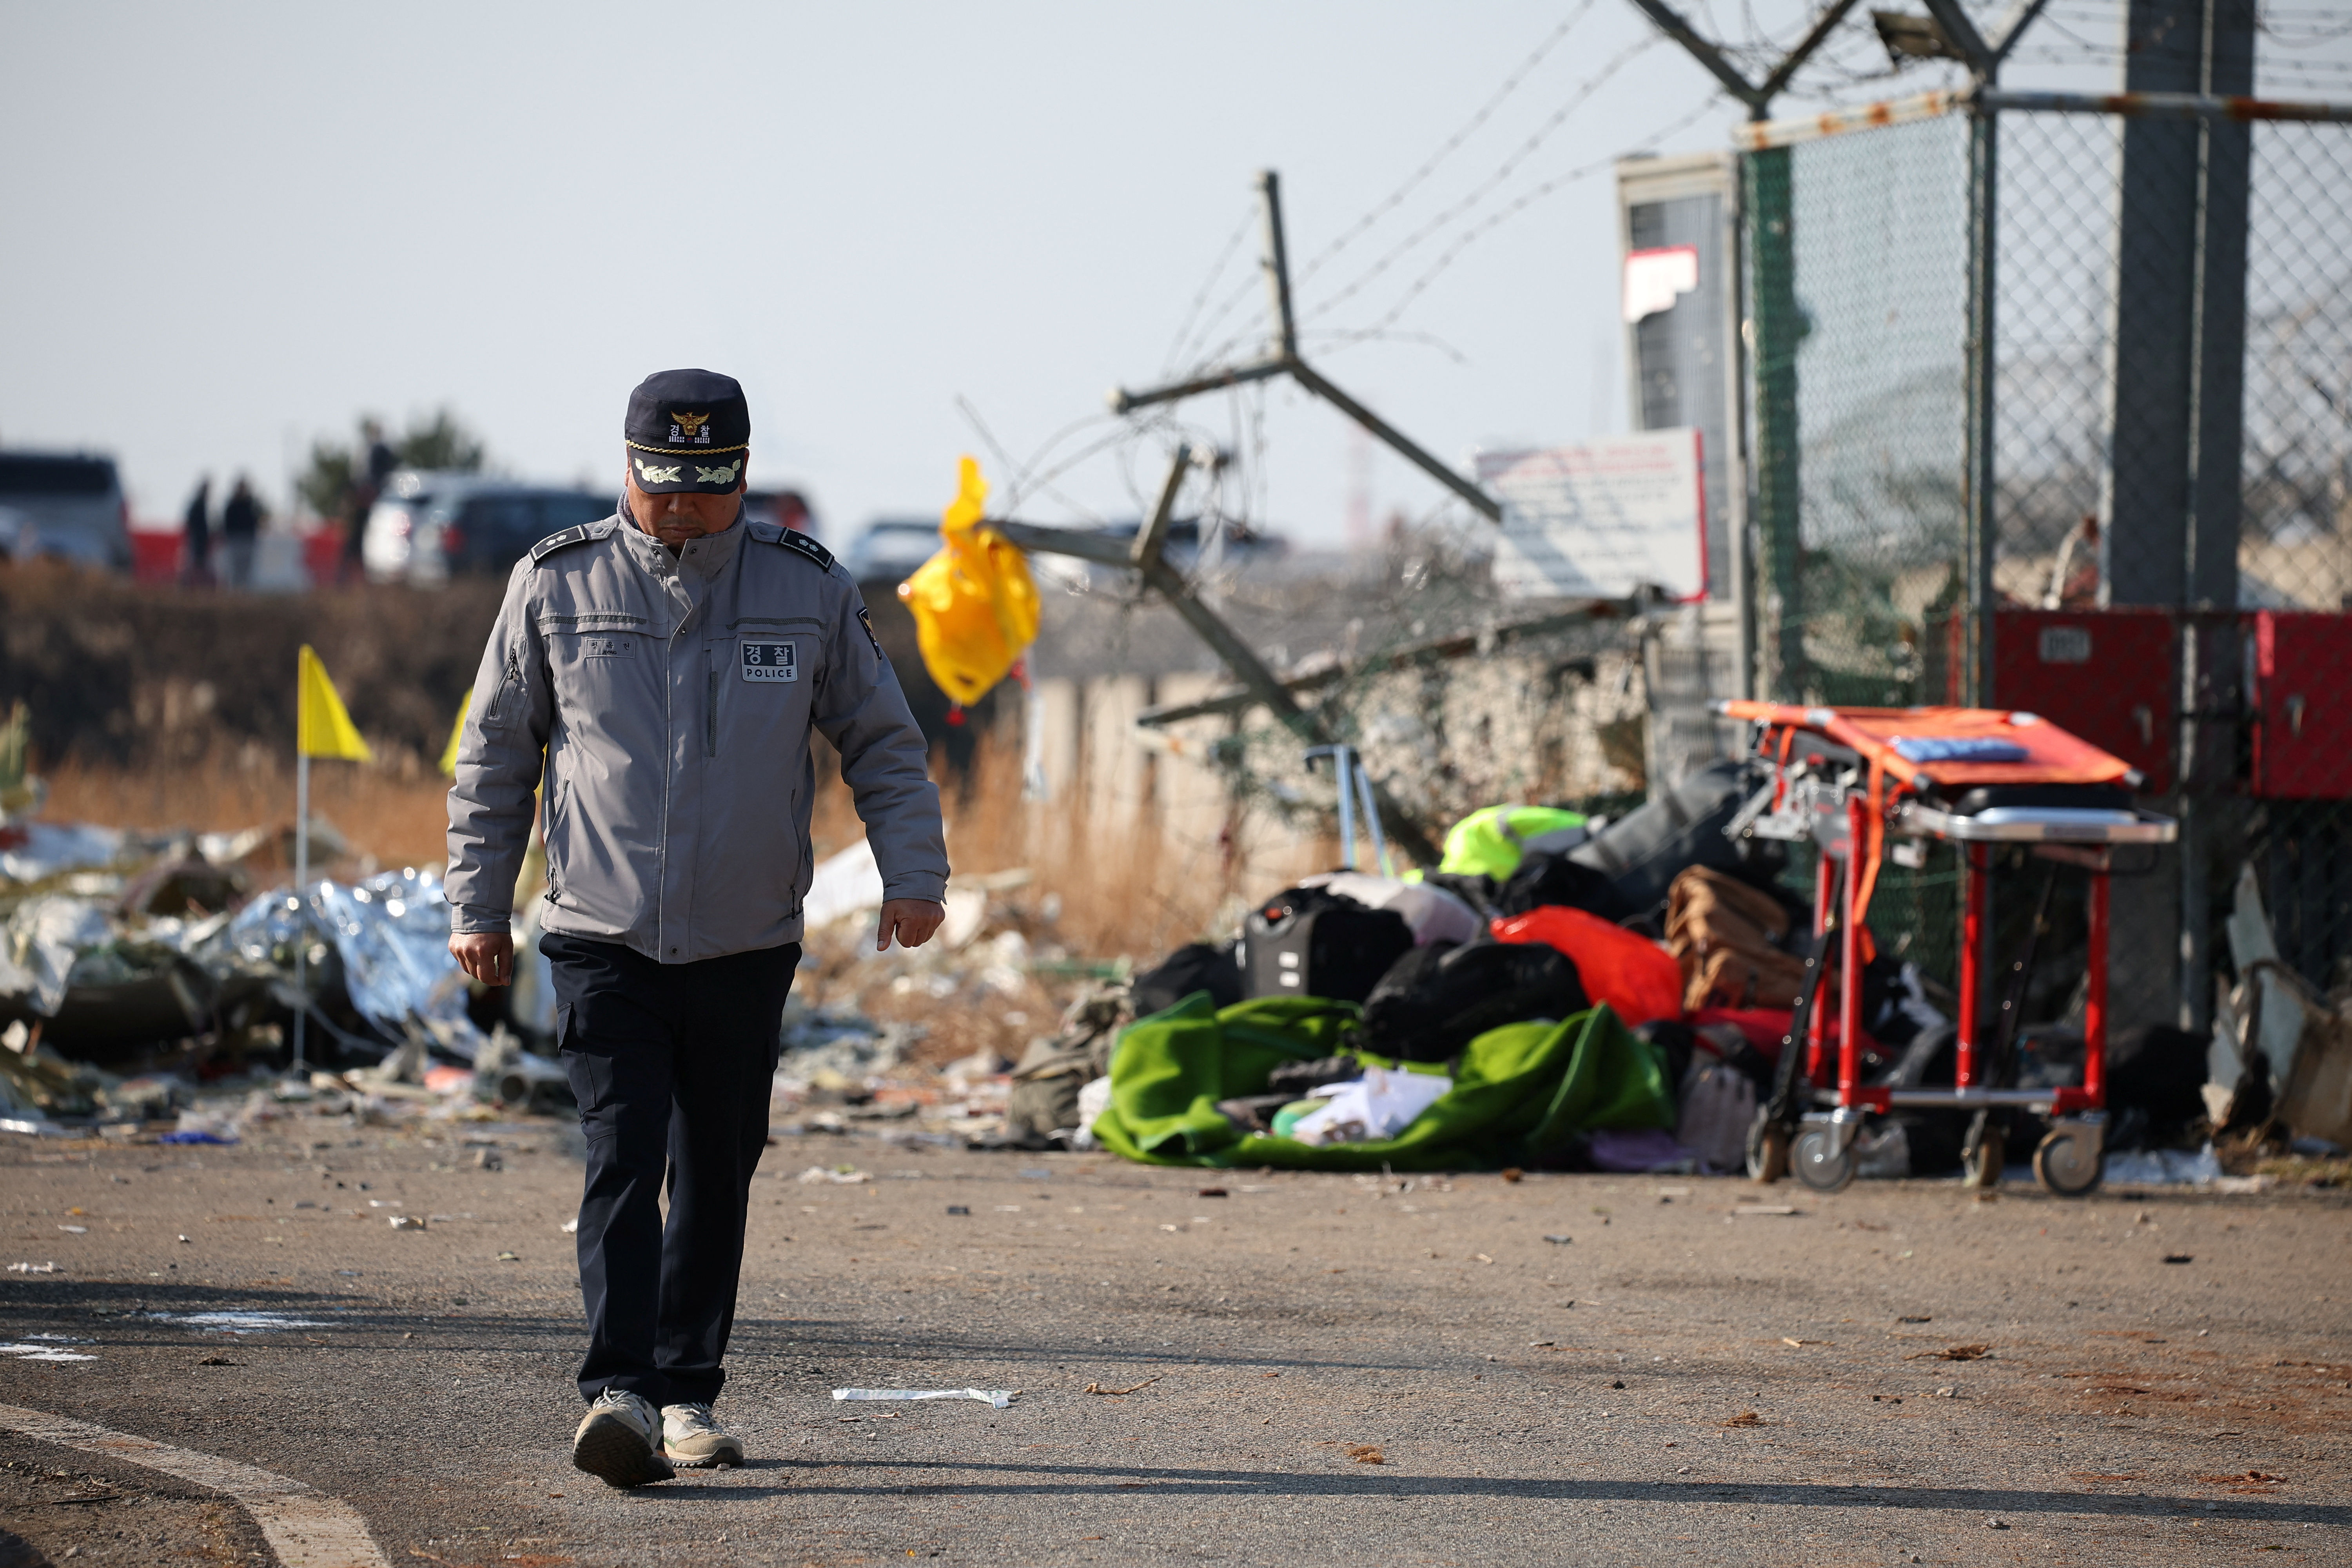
x=998 y=1398
x=1379 y=1105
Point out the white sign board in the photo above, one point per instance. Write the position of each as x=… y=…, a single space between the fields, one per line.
x=1601 y=519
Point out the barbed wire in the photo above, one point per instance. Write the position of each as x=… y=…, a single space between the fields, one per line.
x=1527 y=199
x=1521 y=154
x=1453 y=144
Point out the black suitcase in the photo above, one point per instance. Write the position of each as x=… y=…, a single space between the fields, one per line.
x=1304 y=942
x=1644 y=851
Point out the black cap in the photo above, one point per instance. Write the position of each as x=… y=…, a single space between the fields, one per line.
x=688 y=430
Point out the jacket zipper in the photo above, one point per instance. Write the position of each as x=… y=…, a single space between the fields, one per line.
x=513 y=677
x=710 y=708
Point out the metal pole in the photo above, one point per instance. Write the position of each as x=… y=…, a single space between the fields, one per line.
x=1314 y=381
x=1981 y=521
x=1772 y=267
x=1372 y=823
x=1344 y=777
x=301 y=898
x=1277 y=263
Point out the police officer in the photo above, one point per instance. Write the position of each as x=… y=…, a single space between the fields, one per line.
x=670 y=661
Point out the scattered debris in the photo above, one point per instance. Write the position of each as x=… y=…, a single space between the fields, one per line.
x=1366 y=1454
x=1513 y=1173
x=1996 y=1524
x=1752 y=1210
x=218 y=1360
x=32 y=1269
x=964 y=1209
x=997 y=1398
x=1953 y=1352
x=407 y=1221
x=839 y=1176
x=2179 y=1257
x=1098 y=1388
x=572 y=1226
x=1210 y=1192
x=1914 y=1320
x=1948 y=1393
x=510 y=1257
x=1745 y=1418
x=1559 y=1240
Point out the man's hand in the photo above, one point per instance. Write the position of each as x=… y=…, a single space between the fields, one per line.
x=911 y=921
x=488 y=955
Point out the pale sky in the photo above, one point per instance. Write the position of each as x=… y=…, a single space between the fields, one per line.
x=235 y=228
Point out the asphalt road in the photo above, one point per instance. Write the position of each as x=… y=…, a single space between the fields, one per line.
x=1678 y=1381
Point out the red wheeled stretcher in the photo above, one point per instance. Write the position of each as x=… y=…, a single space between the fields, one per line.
x=1852 y=779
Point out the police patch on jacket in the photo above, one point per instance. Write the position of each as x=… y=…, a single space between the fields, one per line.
x=770 y=661
x=866 y=619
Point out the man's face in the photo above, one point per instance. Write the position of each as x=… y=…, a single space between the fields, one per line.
x=684 y=515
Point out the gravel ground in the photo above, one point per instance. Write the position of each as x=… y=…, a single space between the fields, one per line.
x=1315 y=1369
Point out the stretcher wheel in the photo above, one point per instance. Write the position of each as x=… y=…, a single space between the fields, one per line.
x=2068 y=1162
x=1767 y=1149
x=1820 y=1163
x=1982 y=1162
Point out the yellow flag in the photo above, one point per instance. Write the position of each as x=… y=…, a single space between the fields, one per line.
x=457 y=733
x=322 y=728
x=974 y=603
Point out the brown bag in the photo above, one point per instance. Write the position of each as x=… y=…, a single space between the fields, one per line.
x=1721 y=931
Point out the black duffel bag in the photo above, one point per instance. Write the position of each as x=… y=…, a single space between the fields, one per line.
x=1439 y=998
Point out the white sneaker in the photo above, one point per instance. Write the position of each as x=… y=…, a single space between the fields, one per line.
x=692 y=1436
x=619 y=1442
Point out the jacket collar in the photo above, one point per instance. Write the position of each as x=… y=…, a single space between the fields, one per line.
x=705 y=559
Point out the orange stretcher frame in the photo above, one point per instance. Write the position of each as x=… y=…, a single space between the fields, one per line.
x=1903 y=796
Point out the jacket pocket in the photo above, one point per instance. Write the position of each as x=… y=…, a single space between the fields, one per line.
x=555 y=839
x=507 y=699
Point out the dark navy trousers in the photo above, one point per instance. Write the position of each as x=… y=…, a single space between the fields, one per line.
x=672 y=1065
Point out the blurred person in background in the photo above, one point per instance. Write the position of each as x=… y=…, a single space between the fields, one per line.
x=367 y=488
x=672 y=661
x=197 y=536
x=241 y=517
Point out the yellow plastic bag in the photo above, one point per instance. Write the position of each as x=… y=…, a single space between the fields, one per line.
x=975 y=605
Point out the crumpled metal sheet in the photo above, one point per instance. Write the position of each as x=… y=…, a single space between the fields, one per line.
x=44 y=937
x=32 y=851
x=392 y=932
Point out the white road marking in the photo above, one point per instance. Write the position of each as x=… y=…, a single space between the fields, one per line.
x=306 y=1528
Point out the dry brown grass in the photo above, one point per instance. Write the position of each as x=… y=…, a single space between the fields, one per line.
x=1126 y=890
x=393 y=815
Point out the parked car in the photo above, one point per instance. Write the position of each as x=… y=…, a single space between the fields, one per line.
x=430 y=526
x=66 y=505
x=889 y=548
x=786 y=509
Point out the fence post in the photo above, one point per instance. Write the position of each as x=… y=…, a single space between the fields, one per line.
x=1774 y=329
x=1981 y=524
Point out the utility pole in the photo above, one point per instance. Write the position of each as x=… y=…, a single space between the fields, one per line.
x=1149 y=556
x=1282 y=358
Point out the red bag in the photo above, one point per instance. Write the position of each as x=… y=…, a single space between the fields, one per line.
x=1639 y=980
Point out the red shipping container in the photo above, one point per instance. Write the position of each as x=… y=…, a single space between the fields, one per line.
x=2302 y=712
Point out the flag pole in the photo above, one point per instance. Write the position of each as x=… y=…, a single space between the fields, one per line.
x=302 y=896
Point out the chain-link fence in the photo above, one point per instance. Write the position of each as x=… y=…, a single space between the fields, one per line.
x=2053 y=410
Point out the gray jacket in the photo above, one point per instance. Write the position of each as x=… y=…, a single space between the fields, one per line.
x=673 y=700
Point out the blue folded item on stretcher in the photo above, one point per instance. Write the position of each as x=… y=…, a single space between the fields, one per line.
x=1929 y=749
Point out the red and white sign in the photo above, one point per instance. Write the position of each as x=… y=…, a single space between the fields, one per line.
x=1603 y=519
x=1655 y=280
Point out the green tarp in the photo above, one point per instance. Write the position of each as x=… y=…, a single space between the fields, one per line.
x=1522 y=1094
